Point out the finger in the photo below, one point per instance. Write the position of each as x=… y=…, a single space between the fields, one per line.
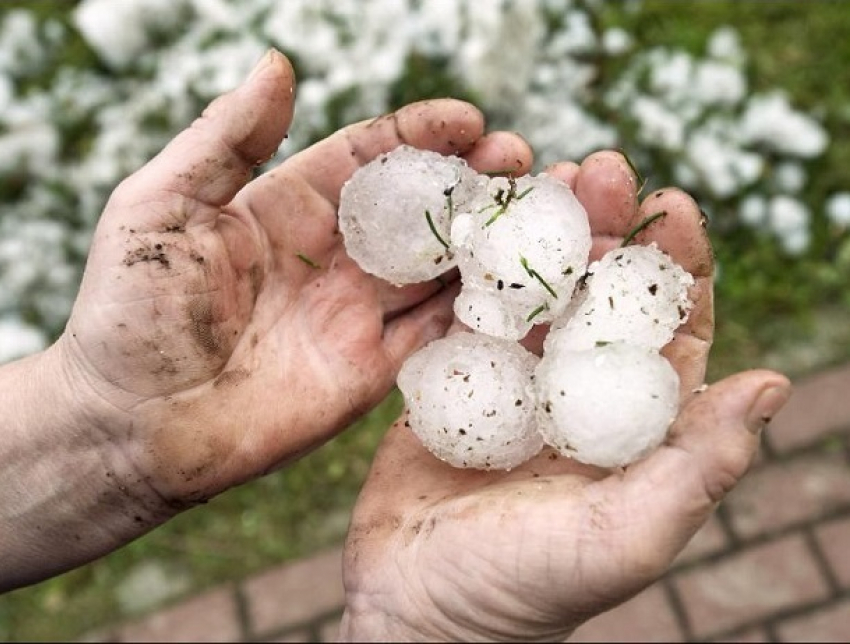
x=680 y=233
x=500 y=153
x=566 y=171
x=447 y=126
x=668 y=496
x=213 y=159
x=607 y=188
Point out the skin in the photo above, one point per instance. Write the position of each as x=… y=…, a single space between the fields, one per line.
x=221 y=331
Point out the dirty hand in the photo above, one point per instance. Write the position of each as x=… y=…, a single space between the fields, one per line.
x=438 y=553
x=221 y=330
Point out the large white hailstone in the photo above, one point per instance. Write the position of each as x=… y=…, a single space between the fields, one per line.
x=395 y=213
x=522 y=245
x=607 y=406
x=635 y=294
x=471 y=401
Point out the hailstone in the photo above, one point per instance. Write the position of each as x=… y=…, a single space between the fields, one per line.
x=522 y=245
x=395 y=213
x=606 y=406
x=471 y=401
x=636 y=294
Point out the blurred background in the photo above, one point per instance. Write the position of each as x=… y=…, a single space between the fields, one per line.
x=745 y=104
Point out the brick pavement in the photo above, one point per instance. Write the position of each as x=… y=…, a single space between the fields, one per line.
x=772 y=564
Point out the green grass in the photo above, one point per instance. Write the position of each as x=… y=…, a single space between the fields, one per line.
x=764 y=317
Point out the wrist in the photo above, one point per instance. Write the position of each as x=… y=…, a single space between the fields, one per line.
x=69 y=490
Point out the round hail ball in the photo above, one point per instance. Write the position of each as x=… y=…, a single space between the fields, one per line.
x=636 y=294
x=395 y=213
x=521 y=246
x=471 y=401
x=607 y=406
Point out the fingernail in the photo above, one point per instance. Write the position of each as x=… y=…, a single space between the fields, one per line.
x=766 y=406
x=263 y=63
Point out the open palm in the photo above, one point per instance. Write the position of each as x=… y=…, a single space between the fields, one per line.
x=221 y=329
x=441 y=553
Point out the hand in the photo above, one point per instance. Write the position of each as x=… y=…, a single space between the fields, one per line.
x=438 y=553
x=221 y=330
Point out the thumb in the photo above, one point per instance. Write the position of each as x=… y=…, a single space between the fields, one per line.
x=213 y=159
x=672 y=492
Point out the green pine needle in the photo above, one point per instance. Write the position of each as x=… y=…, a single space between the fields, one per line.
x=434 y=230
x=642 y=225
x=501 y=211
x=507 y=172
x=307 y=260
x=638 y=175
x=537 y=311
x=535 y=275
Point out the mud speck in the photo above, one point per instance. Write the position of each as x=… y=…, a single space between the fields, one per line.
x=155 y=254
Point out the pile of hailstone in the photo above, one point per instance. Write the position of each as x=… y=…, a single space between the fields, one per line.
x=601 y=394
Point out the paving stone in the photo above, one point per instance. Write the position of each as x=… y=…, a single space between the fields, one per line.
x=819 y=405
x=829 y=624
x=750 y=585
x=711 y=538
x=295 y=593
x=210 y=617
x=833 y=538
x=647 y=617
x=781 y=494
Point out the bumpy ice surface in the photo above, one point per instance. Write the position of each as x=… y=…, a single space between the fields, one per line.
x=606 y=406
x=471 y=401
x=382 y=213
x=522 y=245
x=635 y=294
